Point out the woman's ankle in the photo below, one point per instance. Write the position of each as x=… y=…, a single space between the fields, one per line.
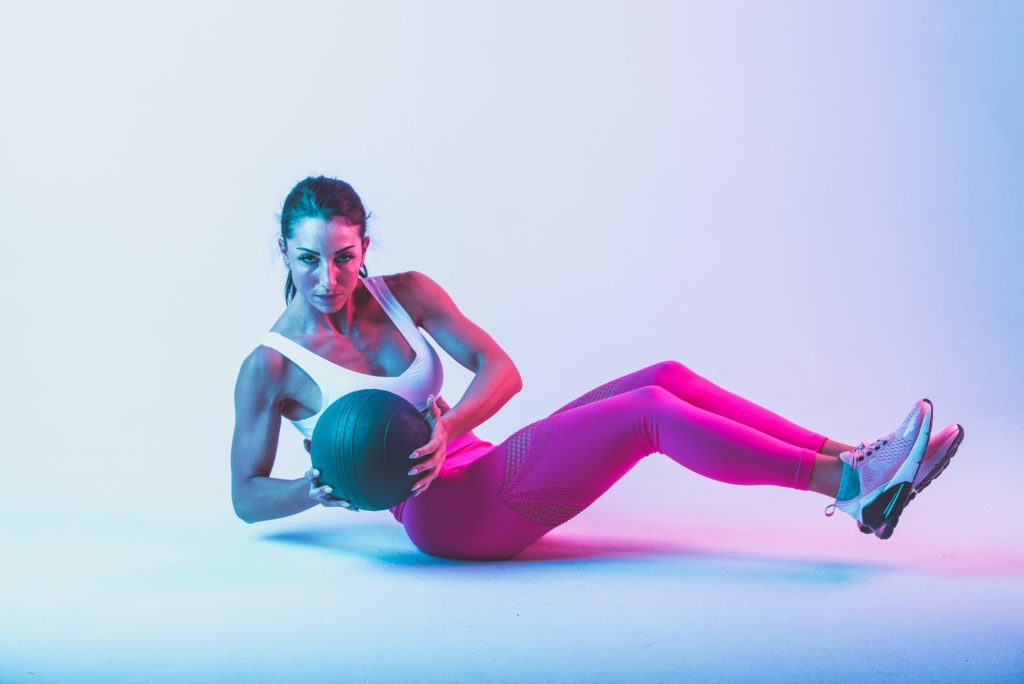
x=826 y=475
x=833 y=448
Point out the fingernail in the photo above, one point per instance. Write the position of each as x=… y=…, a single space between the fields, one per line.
x=412 y=455
x=412 y=472
x=328 y=490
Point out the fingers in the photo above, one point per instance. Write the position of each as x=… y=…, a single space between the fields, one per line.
x=432 y=412
x=322 y=494
x=436 y=448
x=425 y=449
x=430 y=464
x=422 y=484
x=430 y=469
x=431 y=447
x=428 y=448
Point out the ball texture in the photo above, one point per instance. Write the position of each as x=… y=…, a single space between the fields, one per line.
x=361 y=446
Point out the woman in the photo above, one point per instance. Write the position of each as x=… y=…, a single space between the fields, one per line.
x=343 y=330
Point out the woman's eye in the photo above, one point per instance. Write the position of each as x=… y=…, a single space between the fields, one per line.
x=310 y=259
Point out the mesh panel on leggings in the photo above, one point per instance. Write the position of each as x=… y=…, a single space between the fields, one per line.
x=544 y=505
x=552 y=505
x=549 y=505
x=616 y=386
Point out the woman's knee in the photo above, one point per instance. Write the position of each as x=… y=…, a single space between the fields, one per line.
x=672 y=375
x=653 y=396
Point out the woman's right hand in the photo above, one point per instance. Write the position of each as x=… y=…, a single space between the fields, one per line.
x=323 y=494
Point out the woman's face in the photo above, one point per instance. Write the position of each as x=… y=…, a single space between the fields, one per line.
x=325 y=257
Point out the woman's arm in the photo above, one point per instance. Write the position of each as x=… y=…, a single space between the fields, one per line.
x=496 y=377
x=493 y=385
x=254 y=494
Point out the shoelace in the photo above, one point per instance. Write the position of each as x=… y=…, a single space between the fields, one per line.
x=859 y=453
x=862 y=450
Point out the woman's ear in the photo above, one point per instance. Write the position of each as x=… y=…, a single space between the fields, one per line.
x=284 y=251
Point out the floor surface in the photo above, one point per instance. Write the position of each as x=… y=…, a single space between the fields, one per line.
x=669 y=575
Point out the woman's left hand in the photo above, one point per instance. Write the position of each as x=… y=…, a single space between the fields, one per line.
x=437 y=446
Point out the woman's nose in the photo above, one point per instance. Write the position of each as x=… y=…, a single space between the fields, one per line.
x=328 y=276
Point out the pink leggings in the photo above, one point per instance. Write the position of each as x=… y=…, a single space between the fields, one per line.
x=491 y=502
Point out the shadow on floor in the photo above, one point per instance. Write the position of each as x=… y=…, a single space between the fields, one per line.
x=568 y=552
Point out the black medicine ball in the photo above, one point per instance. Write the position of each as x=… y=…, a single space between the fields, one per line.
x=361 y=446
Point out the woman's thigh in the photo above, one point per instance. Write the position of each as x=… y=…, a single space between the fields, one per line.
x=541 y=476
x=549 y=471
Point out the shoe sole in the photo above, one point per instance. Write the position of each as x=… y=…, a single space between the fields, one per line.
x=935 y=472
x=882 y=514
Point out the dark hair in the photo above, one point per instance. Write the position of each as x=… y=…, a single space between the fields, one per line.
x=322 y=198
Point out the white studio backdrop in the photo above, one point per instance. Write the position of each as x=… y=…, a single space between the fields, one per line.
x=816 y=205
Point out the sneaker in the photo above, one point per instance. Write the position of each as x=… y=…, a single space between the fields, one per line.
x=941 y=448
x=887 y=468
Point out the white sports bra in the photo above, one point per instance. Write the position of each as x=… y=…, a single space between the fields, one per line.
x=423 y=378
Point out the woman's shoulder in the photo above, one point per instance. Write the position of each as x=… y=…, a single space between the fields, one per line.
x=264 y=369
x=397 y=281
x=405 y=287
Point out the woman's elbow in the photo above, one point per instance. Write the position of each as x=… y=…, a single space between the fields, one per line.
x=517 y=380
x=507 y=373
x=241 y=509
x=240 y=512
